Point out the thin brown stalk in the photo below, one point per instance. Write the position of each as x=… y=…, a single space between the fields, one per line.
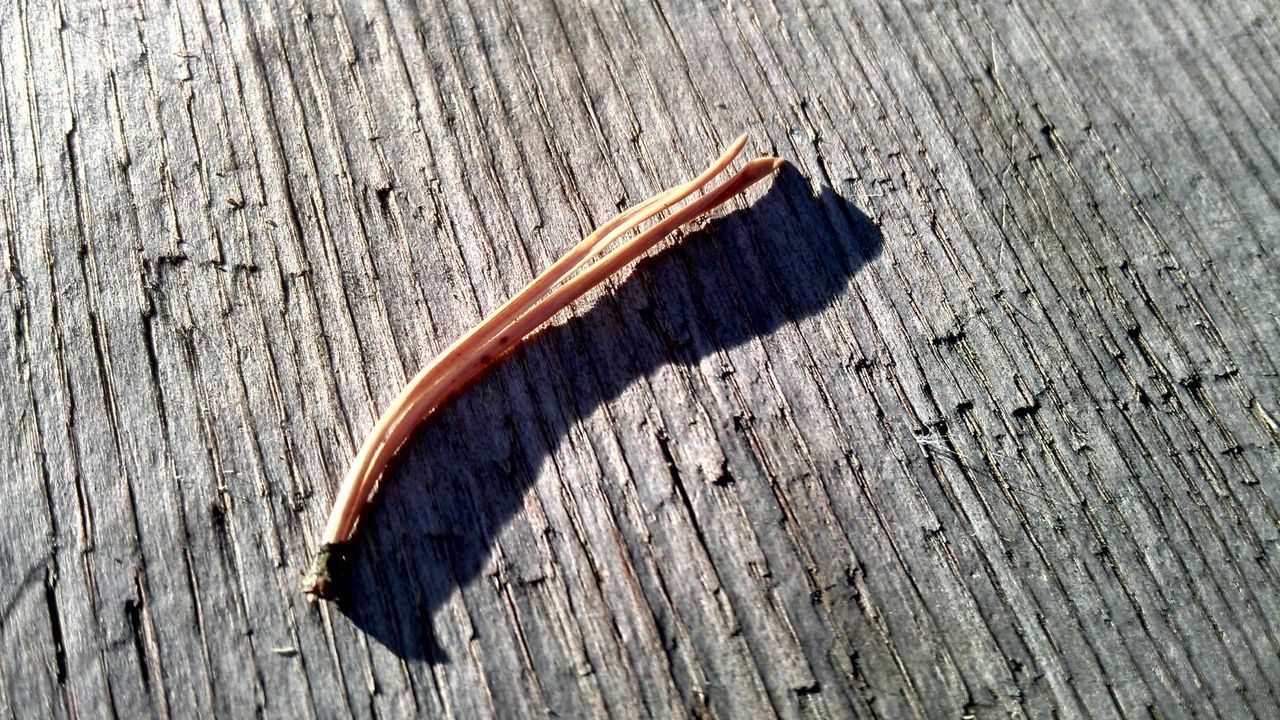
x=584 y=267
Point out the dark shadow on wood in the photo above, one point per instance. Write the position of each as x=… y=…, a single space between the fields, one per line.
x=466 y=473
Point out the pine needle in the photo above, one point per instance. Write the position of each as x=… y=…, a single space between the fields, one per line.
x=582 y=268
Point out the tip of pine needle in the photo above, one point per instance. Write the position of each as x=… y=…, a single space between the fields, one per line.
x=736 y=146
x=762 y=166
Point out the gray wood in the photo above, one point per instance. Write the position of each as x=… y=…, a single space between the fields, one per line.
x=970 y=413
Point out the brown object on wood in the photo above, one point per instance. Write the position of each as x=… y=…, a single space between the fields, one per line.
x=972 y=412
x=579 y=270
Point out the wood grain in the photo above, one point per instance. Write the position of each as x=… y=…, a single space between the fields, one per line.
x=971 y=413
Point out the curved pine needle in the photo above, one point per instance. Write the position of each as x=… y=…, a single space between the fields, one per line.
x=575 y=273
x=570 y=262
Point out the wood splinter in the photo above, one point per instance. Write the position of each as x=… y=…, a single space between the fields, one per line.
x=569 y=278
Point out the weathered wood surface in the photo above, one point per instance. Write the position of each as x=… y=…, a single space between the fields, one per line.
x=972 y=413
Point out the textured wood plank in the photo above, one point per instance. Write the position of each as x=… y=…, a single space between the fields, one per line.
x=970 y=413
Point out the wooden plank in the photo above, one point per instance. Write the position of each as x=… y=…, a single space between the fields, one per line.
x=971 y=412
